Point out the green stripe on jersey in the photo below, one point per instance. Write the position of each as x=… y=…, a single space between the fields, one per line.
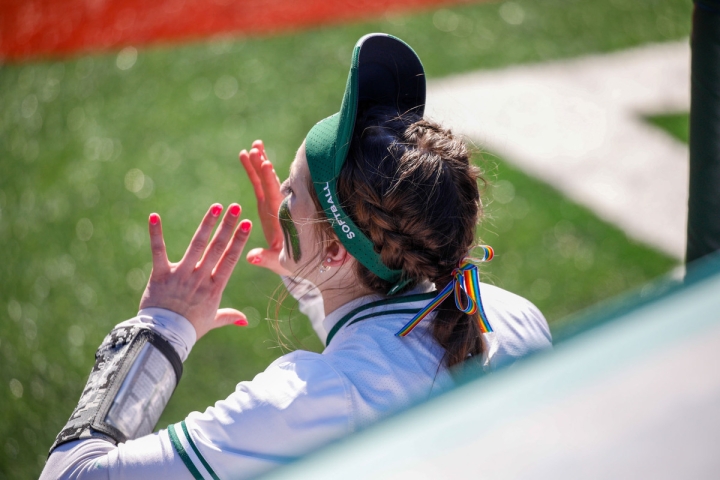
x=379 y=303
x=381 y=314
x=197 y=452
x=183 y=454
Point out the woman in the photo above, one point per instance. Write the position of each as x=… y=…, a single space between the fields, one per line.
x=372 y=232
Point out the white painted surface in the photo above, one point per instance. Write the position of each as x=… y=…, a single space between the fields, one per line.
x=577 y=125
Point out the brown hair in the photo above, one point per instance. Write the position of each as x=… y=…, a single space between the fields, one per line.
x=408 y=184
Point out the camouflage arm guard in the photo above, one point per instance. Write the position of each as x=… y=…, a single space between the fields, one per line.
x=135 y=373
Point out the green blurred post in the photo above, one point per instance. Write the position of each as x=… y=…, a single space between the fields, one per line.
x=703 y=232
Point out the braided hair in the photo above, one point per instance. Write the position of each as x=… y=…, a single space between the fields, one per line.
x=408 y=184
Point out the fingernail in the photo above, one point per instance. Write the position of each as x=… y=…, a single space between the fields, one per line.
x=154 y=218
x=245 y=226
x=216 y=209
x=235 y=210
x=256 y=260
x=241 y=322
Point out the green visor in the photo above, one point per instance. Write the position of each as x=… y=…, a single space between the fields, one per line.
x=384 y=71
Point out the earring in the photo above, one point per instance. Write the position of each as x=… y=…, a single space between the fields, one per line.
x=324 y=268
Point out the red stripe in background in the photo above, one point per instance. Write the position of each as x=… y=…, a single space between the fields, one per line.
x=31 y=28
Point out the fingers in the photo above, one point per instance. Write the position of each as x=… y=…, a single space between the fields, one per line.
x=220 y=240
x=252 y=175
x=260 y=146
x=257 y=158
x=230 y=257
x=199 y=241
x=270 y=183
x=269 y=200
x=227 y=316
x=267 y=259
x=273 y=197
x=157 y=245
x=256 y=256
x=251 y=161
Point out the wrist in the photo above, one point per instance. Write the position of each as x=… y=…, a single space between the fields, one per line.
x=172 y=326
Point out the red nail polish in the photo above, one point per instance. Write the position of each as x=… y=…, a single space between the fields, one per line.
x=154 y=218
x=245 y=226
x=256 y=260
x=216 y=209
x=241 y=322
x=235 y=210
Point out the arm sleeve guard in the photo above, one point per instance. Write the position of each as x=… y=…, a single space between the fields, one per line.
x=135 y=373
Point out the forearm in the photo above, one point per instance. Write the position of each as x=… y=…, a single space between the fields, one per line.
x=174 y=328
x=82 y=459
x=149 y=457
x=87 y=455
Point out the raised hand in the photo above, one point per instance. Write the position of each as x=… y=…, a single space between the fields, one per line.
x=266 y=185
x=193 y=287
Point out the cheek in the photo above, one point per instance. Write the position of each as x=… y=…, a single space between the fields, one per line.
x=309 y=241
x=290 y=232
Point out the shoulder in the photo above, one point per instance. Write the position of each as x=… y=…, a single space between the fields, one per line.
x=297 y=404
x=300 y=375
x=385 y=372
x=289 y=385
x=520 y=327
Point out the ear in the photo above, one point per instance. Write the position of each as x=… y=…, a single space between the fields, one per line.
x=335 y=254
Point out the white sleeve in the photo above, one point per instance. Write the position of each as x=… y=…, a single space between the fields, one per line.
x=81 y=459
x=173 y=327
x=519 y=327
x=296 y=405
x=310 y=303
x=90 y=458
x=148 y=457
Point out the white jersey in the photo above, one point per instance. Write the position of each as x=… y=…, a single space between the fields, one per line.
x=304 y=399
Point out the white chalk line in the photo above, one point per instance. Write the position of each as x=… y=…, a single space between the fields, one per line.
x=578 y=125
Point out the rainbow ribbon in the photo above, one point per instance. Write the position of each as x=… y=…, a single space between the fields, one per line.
x=466 y=286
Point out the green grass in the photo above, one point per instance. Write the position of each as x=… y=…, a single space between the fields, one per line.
x=74 y=135
x=676 y=124
x=555 y=252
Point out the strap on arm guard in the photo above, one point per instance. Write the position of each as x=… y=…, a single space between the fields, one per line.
x=135 y=373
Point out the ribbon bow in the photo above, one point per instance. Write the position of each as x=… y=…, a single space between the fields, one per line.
x=466 y=285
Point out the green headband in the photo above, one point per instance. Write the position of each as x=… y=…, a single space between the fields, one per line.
x=384 y=71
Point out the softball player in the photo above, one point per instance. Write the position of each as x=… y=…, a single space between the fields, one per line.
x=373 y=232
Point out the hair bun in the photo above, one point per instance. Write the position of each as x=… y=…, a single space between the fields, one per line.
x=408 y=184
